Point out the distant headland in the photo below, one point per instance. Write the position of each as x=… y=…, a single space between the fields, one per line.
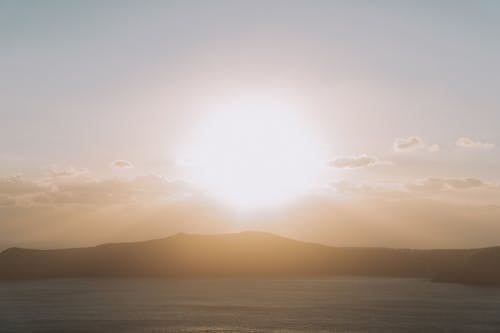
x=249 y=254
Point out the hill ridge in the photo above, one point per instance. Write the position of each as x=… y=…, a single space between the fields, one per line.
x=249 y=254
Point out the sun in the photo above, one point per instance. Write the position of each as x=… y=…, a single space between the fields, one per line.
x=253 y=153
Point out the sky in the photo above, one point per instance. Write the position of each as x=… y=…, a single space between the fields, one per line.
x=376 y=122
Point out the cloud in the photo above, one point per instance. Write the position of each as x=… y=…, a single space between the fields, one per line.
x=69 y=187
x=142 y=189
x=466 y=192
x=413 y=143
x=384 y=191
x=465 y=183
x=17 y=185
x=121 y=164
x=442 y=184
x=67 y=172
x=355 y=162
x=452 y=189
x=408 y=144
x=465 y=142
x=19 y=191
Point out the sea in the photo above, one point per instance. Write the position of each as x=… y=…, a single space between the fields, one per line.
x=340 y=304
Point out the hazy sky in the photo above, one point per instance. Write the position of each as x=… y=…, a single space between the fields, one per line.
x=98 y=99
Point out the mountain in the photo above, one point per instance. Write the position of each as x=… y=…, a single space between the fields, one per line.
x=249 y=254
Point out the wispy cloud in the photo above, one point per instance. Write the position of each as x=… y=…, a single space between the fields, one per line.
x=441 y=184
x=88 y=190
x=121 y=164
x=408 y=144
x=17 y=185
x=465 y=142
x=67 y=172
x=413 y=143
x=355 y=162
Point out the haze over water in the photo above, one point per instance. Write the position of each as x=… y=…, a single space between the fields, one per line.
x=342 y=304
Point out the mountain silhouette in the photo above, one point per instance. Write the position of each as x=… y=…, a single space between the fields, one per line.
x=249 y=254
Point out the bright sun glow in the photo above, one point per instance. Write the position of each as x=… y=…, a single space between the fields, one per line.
x=254 y=153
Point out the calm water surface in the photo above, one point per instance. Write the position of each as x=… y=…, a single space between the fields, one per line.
x=344 y=304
